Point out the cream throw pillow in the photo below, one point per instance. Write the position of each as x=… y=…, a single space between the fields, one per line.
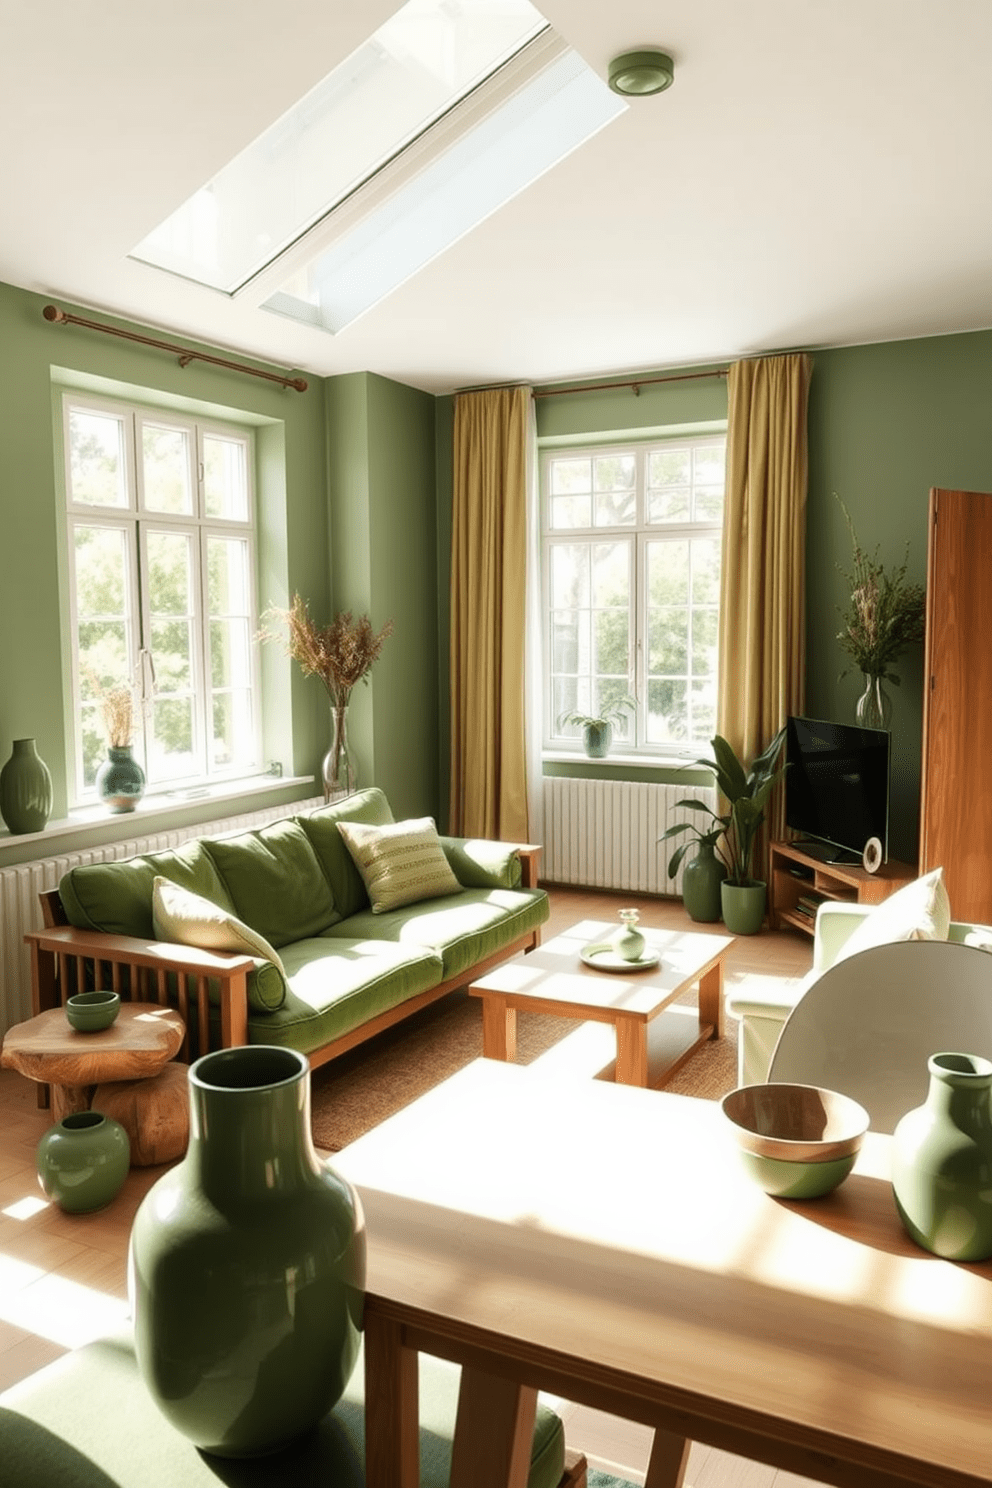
x=186 y=918
x=918 y=911
x=400 y=864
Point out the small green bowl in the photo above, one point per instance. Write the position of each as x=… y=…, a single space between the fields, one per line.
x=796 y=1141
x=90 y=1012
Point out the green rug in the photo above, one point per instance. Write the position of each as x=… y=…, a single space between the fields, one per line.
x=606 y=1480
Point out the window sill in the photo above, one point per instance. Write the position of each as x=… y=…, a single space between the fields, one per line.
x=82 y=820
x=628 y=761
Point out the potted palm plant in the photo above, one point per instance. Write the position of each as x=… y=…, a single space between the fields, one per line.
x=597 y=728
x=746 y=789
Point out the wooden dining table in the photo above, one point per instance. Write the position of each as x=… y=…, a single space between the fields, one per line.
x=603 y=1243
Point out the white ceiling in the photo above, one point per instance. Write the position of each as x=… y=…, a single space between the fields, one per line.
x=819 y=174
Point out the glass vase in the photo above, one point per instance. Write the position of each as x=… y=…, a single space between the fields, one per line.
x=874 y=707
x=338 y=768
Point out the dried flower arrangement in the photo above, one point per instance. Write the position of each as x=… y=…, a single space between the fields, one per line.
x=117 y=712
x=341 y=654
x=885 y=612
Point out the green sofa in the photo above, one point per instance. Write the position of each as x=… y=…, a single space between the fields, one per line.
x=347 y=973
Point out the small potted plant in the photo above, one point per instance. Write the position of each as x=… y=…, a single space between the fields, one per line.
x=742 y=897
x=597 y=728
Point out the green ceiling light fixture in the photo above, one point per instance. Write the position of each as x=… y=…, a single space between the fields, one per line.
x=639 y=74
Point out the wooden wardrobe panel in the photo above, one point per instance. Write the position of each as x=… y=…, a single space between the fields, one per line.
x=956 y=808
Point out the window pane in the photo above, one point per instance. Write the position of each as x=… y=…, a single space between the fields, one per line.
x=614 y=472
x=94 y=742
x=668 y=642
x=707 y=504
x=670 y=505
x=703 y=703
x=101 y=571
x=616 y=509
x=571 y=477
x=667 y=712
x=709 y=465
x=225 y=478
x=172 y=649
x=570 y=563
x=569 y=641
x=231 y=744
x=230 y=654
x=570 y=695
x=103 y=656
x=165 y=462
x=228 y=586
x=668 y=573
x=670 y=466
x=611 y=574
x=571 y=511
x=611 y=630
x=706 y=570
x=97 y=464
x=170 y=573
x=704 y=642
x=170 y=742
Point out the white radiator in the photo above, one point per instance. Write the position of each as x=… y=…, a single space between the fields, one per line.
x=603 y=834
x=21 y=885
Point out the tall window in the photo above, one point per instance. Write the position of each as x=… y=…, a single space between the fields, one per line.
x=631 y=538
x=161 y=550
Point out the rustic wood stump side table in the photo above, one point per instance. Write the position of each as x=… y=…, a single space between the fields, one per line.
x=138 y=1045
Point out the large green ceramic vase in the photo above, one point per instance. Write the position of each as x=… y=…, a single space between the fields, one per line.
x=25 y=789
x=701 y=880
x=247 y=1263
x=942 y=1161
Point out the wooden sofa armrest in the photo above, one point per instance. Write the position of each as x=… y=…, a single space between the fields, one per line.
x=530 y=857
x=61 y=954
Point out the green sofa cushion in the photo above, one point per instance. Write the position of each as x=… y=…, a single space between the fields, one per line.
x=117 y=897
x=275 y=881
x=478 y=864
x=87 y=1421
x=464 y=930
x=321 y=826
x=335 y=985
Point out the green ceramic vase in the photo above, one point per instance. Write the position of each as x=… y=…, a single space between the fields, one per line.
x=82 y=1161
x=25 y=789
x=743 y=907
x=120 y=780
x=701 y=880
x=942 y=1161
x=597 y=739
x=246 y=1269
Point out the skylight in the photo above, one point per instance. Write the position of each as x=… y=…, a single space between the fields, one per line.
x=447 y=111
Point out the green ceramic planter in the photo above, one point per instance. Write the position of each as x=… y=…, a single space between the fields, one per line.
x=597 y=739
x=701 y=880
x=942 y=1161
x=247 y=1263
x=743 y=907
x=25 y=790
x=82 y=1161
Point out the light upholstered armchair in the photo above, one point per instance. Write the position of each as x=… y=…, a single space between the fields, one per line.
x=762 y=1010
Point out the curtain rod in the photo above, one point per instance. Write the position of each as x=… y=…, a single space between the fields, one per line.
x=62 y=317
x=636 y=383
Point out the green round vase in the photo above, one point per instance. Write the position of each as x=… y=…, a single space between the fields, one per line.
x=120 y=780
x=942 y=1161
x=82 y=1161
x=246 y=1270
x=25 y=789
x=743 y=907
x=701 y=880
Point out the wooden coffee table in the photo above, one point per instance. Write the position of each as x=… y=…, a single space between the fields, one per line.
x=652 y=1039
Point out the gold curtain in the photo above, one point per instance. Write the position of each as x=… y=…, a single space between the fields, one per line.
x=488 y=796
x=763 y=589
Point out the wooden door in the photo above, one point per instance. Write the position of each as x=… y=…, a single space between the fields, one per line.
x=956 y=808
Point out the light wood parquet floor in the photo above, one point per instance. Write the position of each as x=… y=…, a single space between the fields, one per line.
x=63 y=1277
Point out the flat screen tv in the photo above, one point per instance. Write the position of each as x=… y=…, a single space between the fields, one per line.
x=837 y=785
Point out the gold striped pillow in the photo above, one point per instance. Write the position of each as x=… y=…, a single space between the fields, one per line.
x=400 y=864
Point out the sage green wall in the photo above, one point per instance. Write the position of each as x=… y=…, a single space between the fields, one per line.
x=886 y=423
x=382 y=483
x=292 y=507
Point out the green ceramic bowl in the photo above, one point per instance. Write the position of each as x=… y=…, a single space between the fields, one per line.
x=89 y=1012
x=796 y=1141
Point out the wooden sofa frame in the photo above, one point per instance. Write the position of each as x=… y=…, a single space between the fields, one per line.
x=65 y=959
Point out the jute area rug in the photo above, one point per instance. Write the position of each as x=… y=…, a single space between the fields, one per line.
x=356 y=1092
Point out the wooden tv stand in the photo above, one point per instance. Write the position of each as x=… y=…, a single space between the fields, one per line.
x=845 y=881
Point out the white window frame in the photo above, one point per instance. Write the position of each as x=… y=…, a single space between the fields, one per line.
x=137 y=522
x=640 y=533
